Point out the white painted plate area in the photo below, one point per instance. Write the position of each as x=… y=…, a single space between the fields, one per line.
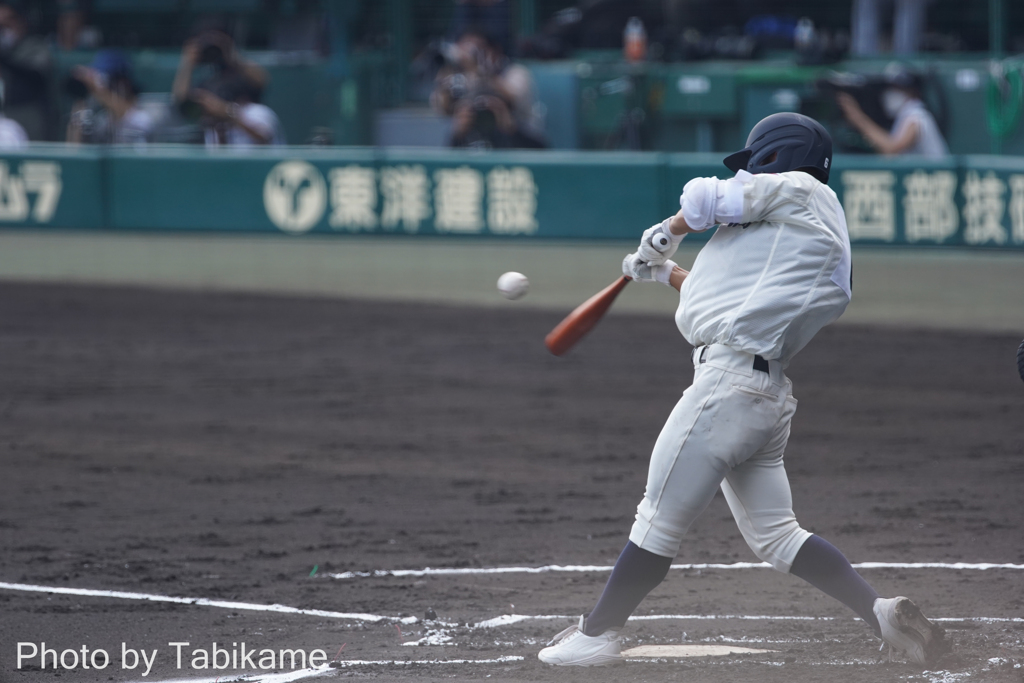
x=689 y=651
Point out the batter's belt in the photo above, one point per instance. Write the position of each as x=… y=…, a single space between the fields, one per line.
x=760 y=364
x=741 y=363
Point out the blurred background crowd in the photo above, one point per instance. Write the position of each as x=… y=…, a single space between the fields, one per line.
x=890 y=76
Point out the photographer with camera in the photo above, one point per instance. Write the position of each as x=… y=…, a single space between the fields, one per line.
x=221 y=100
x=25 y=62
x=231 y=116
x=914 y=129
x=490 y=98
x=106 y=103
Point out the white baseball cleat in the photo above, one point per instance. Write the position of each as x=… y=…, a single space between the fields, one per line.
x=572 y=647
x=904 y=628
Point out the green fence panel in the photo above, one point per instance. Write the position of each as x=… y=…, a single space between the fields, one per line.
x=362 y=191
x=52 y=187
x=166 y=188
x=557 y=90
x=972 y=201
x=898 y=200
x=992 y=195
x=703 y=94
x=540 y=194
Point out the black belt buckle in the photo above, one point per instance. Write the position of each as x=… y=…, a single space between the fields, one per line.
x=761 y=365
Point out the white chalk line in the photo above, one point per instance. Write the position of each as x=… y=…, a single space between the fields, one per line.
x=204 y=602
x=285 y=677
x=503 y=620
x=459 y=571
x=331 y=669
x=509 y=619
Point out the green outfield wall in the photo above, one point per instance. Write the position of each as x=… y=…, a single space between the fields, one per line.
x=975 y=201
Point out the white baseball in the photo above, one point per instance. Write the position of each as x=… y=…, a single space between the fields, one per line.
x=513 y=285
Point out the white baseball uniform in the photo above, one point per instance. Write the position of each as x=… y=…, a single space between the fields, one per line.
x=776 y=271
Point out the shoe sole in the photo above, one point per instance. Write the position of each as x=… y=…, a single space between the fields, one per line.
x=599 y=660
x=930 y=637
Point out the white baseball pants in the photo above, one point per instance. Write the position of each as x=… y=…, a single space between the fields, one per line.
x=730 y=428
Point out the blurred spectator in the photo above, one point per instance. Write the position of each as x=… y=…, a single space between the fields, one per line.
x=213 y=48
x=490 y=98
x=73 y=33
x=914 y=130
x=232 y=117
x=12 y=135
x=25 y=61
x=226 y=102
x=106 y=105
x=488 y=16
x=907 y=26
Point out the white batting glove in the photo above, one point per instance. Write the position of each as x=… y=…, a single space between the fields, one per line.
x=635 y=268
x=658 y=244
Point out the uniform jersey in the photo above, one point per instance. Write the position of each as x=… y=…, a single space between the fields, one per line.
x=768 y=281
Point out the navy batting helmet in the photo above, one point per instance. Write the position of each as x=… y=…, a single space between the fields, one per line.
x=785 y=142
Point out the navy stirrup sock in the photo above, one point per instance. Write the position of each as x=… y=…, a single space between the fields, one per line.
x=820 y=564
x=637 y=572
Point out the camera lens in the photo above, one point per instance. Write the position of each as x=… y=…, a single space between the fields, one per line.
x=190 y=110
x=212 y=54
x=75 y=89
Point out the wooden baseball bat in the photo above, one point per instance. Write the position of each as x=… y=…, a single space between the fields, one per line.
x=583 y=318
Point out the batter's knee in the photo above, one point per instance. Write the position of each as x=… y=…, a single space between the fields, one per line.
x=778 y=543
x=656 y=538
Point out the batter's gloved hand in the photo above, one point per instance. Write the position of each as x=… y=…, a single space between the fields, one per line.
x=658 y=244
x=635 y=268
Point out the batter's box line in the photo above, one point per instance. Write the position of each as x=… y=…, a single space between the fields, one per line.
x=510 y=619
x=584 y=568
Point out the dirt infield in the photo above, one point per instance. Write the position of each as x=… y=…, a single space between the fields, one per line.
x=222 y=446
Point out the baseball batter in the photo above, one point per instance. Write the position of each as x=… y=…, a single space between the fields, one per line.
x=777 y=270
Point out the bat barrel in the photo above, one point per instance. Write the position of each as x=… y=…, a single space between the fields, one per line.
x=583 y=318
